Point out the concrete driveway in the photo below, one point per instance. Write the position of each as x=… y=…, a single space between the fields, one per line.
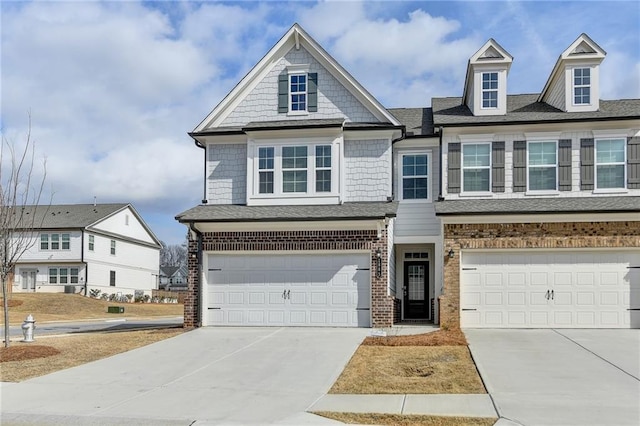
x=206 y=376
x=561 y=377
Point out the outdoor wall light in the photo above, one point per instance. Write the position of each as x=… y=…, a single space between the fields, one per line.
x=378 y=263
x=451 y=253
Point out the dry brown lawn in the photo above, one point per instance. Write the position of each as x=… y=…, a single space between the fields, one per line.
x=410 y=369
x=22 y=361
x=408 y=420
x=71 y=307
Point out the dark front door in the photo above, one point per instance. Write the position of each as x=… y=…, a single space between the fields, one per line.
x=416 y=290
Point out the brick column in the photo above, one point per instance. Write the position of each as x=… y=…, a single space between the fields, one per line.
x=450 y=298
x=191 y=300
x=382 y=304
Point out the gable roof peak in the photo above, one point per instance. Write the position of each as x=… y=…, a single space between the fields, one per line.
x=296 y=37
x=581 y=47
x=493 y=52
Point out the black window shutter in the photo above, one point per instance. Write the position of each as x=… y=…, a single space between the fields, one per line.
x=519 y=166
x=633 y=163
x=453 y=175
x=283 y=93
x=312 y=92
x=497 y=166
x=586 y=164
x=564 y=164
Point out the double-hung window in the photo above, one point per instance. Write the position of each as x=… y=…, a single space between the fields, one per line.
x=415 y=176
x=476 y=167
x=44 y=242
x=55 y=241
x=53 y=275
x=265 y=169
x=542 y=164
x=113 y=247
x=489 y=90
x=610 y=163
x=297 y=92
x=582 y=86
x=294 y=169
x=91 y=242
x=323 y=168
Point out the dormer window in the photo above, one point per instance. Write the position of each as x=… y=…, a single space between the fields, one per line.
x=582 y=86
x=489 y=90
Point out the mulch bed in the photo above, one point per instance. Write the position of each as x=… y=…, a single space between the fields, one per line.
x=22 y=353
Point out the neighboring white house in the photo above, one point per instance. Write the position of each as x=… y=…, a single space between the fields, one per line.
x=85 y=246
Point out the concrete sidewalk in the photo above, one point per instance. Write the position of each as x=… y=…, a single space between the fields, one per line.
x=472 y=405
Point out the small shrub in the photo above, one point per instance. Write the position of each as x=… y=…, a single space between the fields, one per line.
x=104 y=296
x=95 y=293
x=146 y=298
x=129 y=297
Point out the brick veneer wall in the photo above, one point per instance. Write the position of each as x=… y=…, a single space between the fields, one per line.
x=382 y=305
x=570 y=235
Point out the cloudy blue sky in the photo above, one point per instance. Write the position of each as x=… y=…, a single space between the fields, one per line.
x=114 y=87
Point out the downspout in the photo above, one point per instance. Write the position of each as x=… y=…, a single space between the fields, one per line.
x=199 y=262
x=86 y=267
x=204 y=183
x=440 y=133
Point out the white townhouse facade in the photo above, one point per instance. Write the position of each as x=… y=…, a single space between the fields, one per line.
x=321 y=207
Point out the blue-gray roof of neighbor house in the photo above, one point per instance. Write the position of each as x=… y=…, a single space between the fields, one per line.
x=523 y=109
x=242 y=213
x=67 y=216
x=539 y=206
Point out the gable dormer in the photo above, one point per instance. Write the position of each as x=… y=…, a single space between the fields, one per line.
x=574 y=83
x=485 y=88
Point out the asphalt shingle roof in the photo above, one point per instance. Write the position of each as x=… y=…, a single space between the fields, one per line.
x=418 y=121
x=539 y=205
x=526 y=108
x=69 y=215
x=241 y=213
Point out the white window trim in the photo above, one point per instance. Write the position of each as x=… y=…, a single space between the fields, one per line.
x=429 y=198
x=597 y=190
x=542 y=191
x=483 y=90
x=464 y=193
x=50 y=241
x=299 y=69
x=574 y=86
x=311 y=194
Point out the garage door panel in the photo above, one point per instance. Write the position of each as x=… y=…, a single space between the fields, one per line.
x=576 y=289
x=296 y=290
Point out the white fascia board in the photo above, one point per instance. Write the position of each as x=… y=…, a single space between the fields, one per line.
x=322 y=225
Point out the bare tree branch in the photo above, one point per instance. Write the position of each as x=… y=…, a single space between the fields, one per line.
x=19 y=199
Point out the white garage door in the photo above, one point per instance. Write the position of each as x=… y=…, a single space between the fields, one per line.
x=317 y=290
x=540 y=289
